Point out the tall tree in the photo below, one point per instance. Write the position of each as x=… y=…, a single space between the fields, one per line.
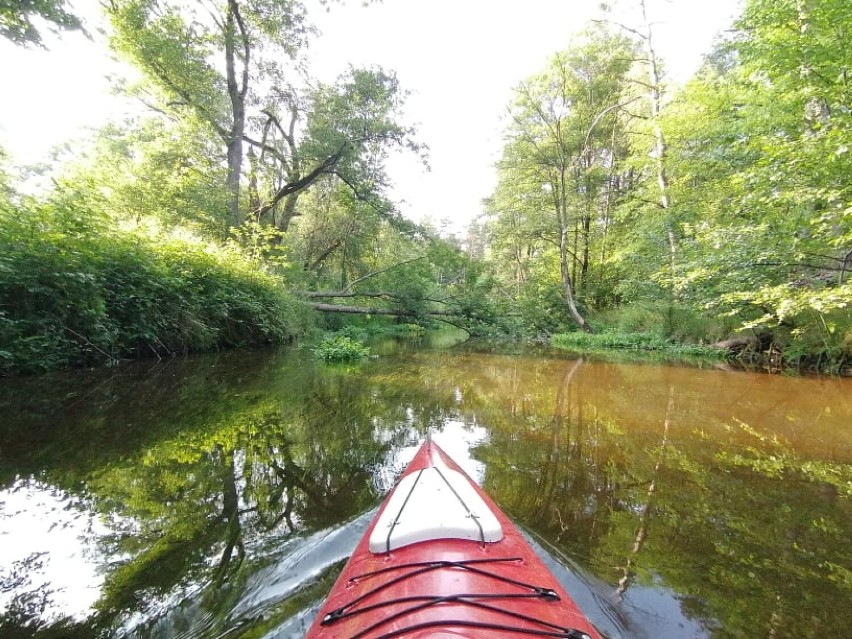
x=234 y=65
x=182 y=49
x=560 y=145
x=349 y=127
x=653 y=86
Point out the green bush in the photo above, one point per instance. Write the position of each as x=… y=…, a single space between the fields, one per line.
x=820 y=342
x=679 y=323
x=78 y=292
x=340 y=348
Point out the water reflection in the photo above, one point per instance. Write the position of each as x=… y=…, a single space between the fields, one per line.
x=217 y=496
x=41 y=528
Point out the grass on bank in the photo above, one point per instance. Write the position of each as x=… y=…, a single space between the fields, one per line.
x=636 y=342
x=807 y=341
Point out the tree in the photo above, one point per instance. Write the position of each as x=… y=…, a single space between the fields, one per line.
x=179 y=50
x=18 y=26
x=349 y=128
x=235 y=67
x=561 y=149
x=652 y=193
x=151 y=170
x=760 y=150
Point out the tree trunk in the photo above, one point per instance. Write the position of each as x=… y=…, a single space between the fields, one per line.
x=567 y=285
x=560 y=201
x=237 y=90
x=253 y=193
x=655 y=90
x=235 y=162
x=364 y=310
x=645 y=514
x=231 y=516
x=289 y=212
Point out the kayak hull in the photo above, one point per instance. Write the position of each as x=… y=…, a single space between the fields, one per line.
x=445 y=587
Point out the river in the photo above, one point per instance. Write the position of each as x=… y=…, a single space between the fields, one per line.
x=217 y=496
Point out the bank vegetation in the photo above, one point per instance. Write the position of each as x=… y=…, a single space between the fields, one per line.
x=250 y=205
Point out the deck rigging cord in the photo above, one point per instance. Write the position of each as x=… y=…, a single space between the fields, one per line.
x=404 y=609
x=402 y=508
x=470 y=513
x=476 y=600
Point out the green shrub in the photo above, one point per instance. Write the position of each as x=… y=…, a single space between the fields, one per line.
x=820 y=342
x=340 y=348
x=78 y=295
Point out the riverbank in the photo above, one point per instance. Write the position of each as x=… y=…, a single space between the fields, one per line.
x=81 y=292
x=755 y=355
x=78 y=290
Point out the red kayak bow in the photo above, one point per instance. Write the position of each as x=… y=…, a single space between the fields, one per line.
x=440 y=560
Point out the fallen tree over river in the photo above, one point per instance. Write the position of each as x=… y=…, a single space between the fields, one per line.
x=367 y=310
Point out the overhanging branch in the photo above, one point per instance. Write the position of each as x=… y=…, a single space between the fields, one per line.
x=326 y=166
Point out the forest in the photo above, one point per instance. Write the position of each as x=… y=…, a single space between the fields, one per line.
x=250 y=204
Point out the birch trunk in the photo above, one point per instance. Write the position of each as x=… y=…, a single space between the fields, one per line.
x=655 y=91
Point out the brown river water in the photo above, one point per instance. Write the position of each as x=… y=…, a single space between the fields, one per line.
x=217 y=496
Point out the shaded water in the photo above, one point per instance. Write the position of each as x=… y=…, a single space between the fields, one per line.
x=218 y=496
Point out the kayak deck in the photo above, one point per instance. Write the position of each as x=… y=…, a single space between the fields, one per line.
x=433 y=503
x=440 y=560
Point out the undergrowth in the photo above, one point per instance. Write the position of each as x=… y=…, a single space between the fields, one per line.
x=340 y=348
x=76 y=291
x=634 y=342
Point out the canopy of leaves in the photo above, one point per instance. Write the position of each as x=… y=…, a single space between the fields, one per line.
x=757 y=226
x=760 y=152
x=20 y=20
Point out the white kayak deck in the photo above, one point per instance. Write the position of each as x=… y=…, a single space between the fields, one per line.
x=433 y=503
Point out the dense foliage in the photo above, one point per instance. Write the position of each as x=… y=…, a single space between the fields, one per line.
x=723 y=209
x=183 y=229
x=78 y=291
x=340 y=348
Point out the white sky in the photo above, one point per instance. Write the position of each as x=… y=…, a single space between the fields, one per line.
x=458 y=58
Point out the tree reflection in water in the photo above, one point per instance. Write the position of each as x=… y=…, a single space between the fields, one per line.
x=211 y=479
